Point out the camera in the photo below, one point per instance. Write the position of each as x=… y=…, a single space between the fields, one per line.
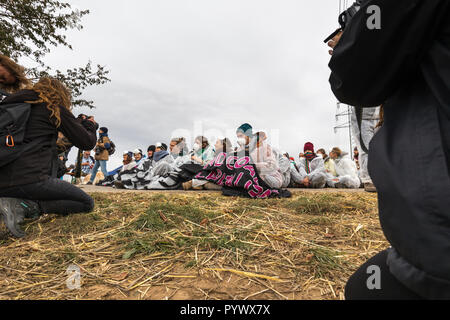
x=82 y=116
x=345 y=17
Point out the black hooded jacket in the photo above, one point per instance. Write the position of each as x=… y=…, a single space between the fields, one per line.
x=406 y=66
x=39 y=162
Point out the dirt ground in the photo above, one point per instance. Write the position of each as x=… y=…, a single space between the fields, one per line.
x=195 y=245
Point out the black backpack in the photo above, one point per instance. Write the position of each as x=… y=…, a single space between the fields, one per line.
x=112 y=148
x=13 y=122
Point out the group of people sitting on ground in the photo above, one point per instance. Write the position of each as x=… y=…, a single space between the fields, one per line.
x=319 y=170
x=160 y=168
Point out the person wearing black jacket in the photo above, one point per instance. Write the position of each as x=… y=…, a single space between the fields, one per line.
x=28 y=185
x=405 y=65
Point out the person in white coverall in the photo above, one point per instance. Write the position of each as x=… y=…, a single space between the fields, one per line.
x=311 y=171
x=266 y=162
x=284 y=163
x=285 y=167
x=370 y=118
x=347 y=173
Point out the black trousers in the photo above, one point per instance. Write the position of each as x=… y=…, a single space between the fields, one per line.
x=53 y=196
x=390 y=287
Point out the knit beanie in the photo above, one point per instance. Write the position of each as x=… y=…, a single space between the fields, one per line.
x=308 y=146
x=246 y=129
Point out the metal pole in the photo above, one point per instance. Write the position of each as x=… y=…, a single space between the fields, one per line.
x=350 y=130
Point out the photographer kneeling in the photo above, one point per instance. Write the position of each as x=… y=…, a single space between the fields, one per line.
x=28 y=185
x=405 y=65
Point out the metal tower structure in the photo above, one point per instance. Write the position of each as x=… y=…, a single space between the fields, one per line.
x=344 y=114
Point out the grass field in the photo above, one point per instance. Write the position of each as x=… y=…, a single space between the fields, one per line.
x=195 y=246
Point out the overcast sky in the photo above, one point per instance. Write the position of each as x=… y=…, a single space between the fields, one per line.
x=186 y=66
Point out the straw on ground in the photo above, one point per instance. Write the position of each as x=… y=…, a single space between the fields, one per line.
x=195 y=246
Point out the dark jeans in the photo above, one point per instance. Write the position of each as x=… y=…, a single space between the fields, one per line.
x=390 y=287
x=53 y=196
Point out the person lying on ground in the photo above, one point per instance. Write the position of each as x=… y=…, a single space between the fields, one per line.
x=28 y=185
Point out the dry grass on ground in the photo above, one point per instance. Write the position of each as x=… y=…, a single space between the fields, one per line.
x=195 y=246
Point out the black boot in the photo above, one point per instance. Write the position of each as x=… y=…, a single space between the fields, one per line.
x=108 y=179
x=14 y=211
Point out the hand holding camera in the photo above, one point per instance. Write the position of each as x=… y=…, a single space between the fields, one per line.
x=91 y=118
x=88 y=118
x=344 y=19
x=333 y=42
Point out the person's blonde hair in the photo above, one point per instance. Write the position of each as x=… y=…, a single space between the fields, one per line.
x=54 y=94
x=337 y=151
x=17 y=71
